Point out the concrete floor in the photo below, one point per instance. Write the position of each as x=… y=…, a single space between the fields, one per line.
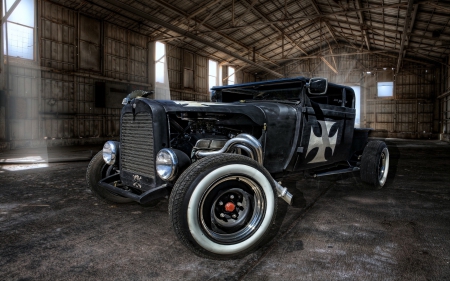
x=53 y=228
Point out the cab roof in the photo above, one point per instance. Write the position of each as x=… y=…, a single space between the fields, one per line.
x=284 y=83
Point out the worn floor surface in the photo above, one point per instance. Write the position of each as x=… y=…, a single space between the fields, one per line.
x=52 y=228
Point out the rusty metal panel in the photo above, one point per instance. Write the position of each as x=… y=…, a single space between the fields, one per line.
x=188 y=60
x=138 y=56
x=23 y=102
x=57 y=105
x=89 y=46
x=174 y=66
x=201 y=74
x=89 y=56
x=126 y=54
x=58 y=46
x=90 y=29
x=91 y=121
x=188 y=78
x=116 y=52
x=239 y=77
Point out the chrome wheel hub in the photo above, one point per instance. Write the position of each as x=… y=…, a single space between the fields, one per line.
x=232 y=209
x=383 y=167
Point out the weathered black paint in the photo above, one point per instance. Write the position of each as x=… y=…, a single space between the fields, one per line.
x=285 y=126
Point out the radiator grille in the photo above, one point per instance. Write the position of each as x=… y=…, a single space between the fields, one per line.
x=136 y=148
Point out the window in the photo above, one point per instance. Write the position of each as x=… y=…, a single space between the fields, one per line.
x=357 y=90
x=385 y=89
x=160 y=60
x=19 y=29
x=231 y=75
x=213 y=75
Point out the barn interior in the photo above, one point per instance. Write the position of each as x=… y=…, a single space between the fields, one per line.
x=66 y=65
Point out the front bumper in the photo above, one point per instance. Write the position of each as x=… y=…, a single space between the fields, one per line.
x=155 y=193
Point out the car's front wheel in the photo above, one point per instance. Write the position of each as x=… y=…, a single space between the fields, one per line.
x=97 y=170
x=223 y=206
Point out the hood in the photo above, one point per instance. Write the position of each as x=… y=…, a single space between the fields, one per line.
x=255 y=113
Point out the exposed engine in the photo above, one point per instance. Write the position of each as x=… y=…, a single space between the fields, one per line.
x=190 y=132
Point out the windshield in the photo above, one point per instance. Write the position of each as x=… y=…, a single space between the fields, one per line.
x=280 y=94
x=231 y=95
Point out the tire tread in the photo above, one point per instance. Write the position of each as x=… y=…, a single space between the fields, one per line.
x=92 y=178
x=369 y=162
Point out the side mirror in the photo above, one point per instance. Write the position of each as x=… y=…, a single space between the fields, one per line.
x=318 y=86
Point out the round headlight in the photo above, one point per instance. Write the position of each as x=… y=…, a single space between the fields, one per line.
x=110 y=152
x=166 y=164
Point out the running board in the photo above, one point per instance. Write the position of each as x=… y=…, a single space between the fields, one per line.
x=343 y=171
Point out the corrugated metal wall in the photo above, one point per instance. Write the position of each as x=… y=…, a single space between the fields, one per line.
x=54 y=98
x=188 y=75
x=445 y=105
x=411 y=113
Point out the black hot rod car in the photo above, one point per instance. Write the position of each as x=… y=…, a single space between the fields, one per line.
x=220 y=162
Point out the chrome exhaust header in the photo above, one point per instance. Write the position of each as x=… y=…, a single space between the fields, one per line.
x=253 y=149
x=246 y=142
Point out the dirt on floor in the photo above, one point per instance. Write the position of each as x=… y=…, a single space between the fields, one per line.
x=53 y=228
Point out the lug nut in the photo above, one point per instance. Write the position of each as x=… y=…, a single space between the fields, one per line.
x=222 y=215
x=239 y=204
x=233 y=216
x=231 y=196
x=220 y=203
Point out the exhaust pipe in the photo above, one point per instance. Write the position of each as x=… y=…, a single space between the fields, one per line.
x=253 y=148
x=283 y=193
x=245 y=142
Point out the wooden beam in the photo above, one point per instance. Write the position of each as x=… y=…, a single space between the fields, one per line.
x=185 y=15
x=429 y=37
x=10 y=11
x=203 y=8
x=316 y=7
x=362 y=22
x=238 y=21
x=209 y=15
x=183 y=32
x=411 y=26
x=406 y=26
x=329 y=65
x=332 y=55
x=439 y=7
x=264 y=18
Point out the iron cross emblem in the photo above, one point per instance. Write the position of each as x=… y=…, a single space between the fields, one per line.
x=322 y=142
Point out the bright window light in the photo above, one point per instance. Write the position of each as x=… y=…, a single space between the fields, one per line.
x=19 y=29
x=385 y=89
x=22 y=167
x=231 y=75
x=212 y=74
x=357 y=90
x=160 y=60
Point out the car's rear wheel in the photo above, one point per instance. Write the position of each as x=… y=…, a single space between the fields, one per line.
x=223 y=206
x=97 y=170
x=375 y=164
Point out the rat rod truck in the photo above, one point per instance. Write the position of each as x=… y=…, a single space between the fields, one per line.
x=220 y=162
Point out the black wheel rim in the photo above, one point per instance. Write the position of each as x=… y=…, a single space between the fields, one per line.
x=232 y=209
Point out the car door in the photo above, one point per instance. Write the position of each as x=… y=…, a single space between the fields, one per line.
x=326 y=131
